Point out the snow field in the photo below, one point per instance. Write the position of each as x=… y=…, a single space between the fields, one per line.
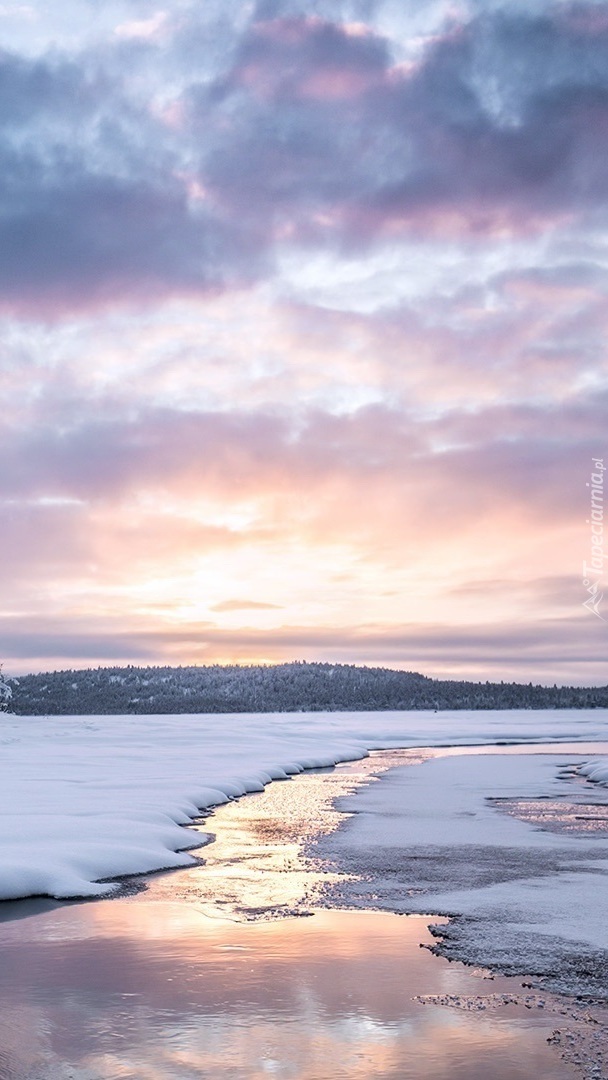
x=90 y=798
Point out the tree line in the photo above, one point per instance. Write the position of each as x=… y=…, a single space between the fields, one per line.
x=290 y=687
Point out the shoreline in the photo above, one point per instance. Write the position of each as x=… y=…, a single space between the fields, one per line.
x=492 y=865
x=88 y=800
x=276 y=830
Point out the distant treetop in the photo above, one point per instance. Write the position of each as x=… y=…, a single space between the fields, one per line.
x=6 y=692
x=298 y=686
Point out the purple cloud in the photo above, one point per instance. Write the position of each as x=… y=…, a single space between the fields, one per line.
x=305 y=300
x=511 y=651
x=460 y=464
x=313 y=134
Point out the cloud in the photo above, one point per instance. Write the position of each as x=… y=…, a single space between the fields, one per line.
x=288 y=59
x=459 y=463
x=311 y=135
x=143 y=28
x=312 y=302
x=511 y=651
x=93 y=209
x=486 y=137
x=244 y=605
x=41 y=540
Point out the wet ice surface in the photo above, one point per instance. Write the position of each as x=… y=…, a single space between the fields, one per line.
x=583 y=811
x=580 y=1038
x=257 y=866
x=579 y=817
x=431 y=837
x=465 y=834
x=87 y=799
x=202 y=976
x=269 y=860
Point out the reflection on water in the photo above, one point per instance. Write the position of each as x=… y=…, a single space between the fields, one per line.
x=577 y=817
x=152 y=988
x=256 y=867
x=140 y=990
x=576 y=749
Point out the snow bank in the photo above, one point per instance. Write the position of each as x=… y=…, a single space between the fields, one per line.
x=91 y=798
x=596 y=771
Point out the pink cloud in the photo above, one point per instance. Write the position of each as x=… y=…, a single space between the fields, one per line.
x=526 y=654
x=153 y=28
x=243 y=605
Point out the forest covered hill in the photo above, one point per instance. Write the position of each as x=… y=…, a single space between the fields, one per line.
x=291 y=687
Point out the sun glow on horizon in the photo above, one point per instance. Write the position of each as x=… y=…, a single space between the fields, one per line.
x=302 y=328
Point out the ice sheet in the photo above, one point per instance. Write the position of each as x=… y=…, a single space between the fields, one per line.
x=90 y=798
x=432 y=838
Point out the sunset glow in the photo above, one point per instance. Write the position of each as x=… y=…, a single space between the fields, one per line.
x=303 y=334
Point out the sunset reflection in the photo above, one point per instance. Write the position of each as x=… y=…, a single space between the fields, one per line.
x=257 y=865
x=159 y=991
x=204 y=976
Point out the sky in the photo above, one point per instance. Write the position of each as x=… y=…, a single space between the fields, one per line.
x=303 y=335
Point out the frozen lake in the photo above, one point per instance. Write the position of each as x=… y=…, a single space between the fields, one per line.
x=85 y=799
x=216 y=972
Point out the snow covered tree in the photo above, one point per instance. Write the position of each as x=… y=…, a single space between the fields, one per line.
x=5 y=692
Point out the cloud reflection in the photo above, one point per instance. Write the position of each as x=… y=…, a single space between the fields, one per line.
x=159 y=991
